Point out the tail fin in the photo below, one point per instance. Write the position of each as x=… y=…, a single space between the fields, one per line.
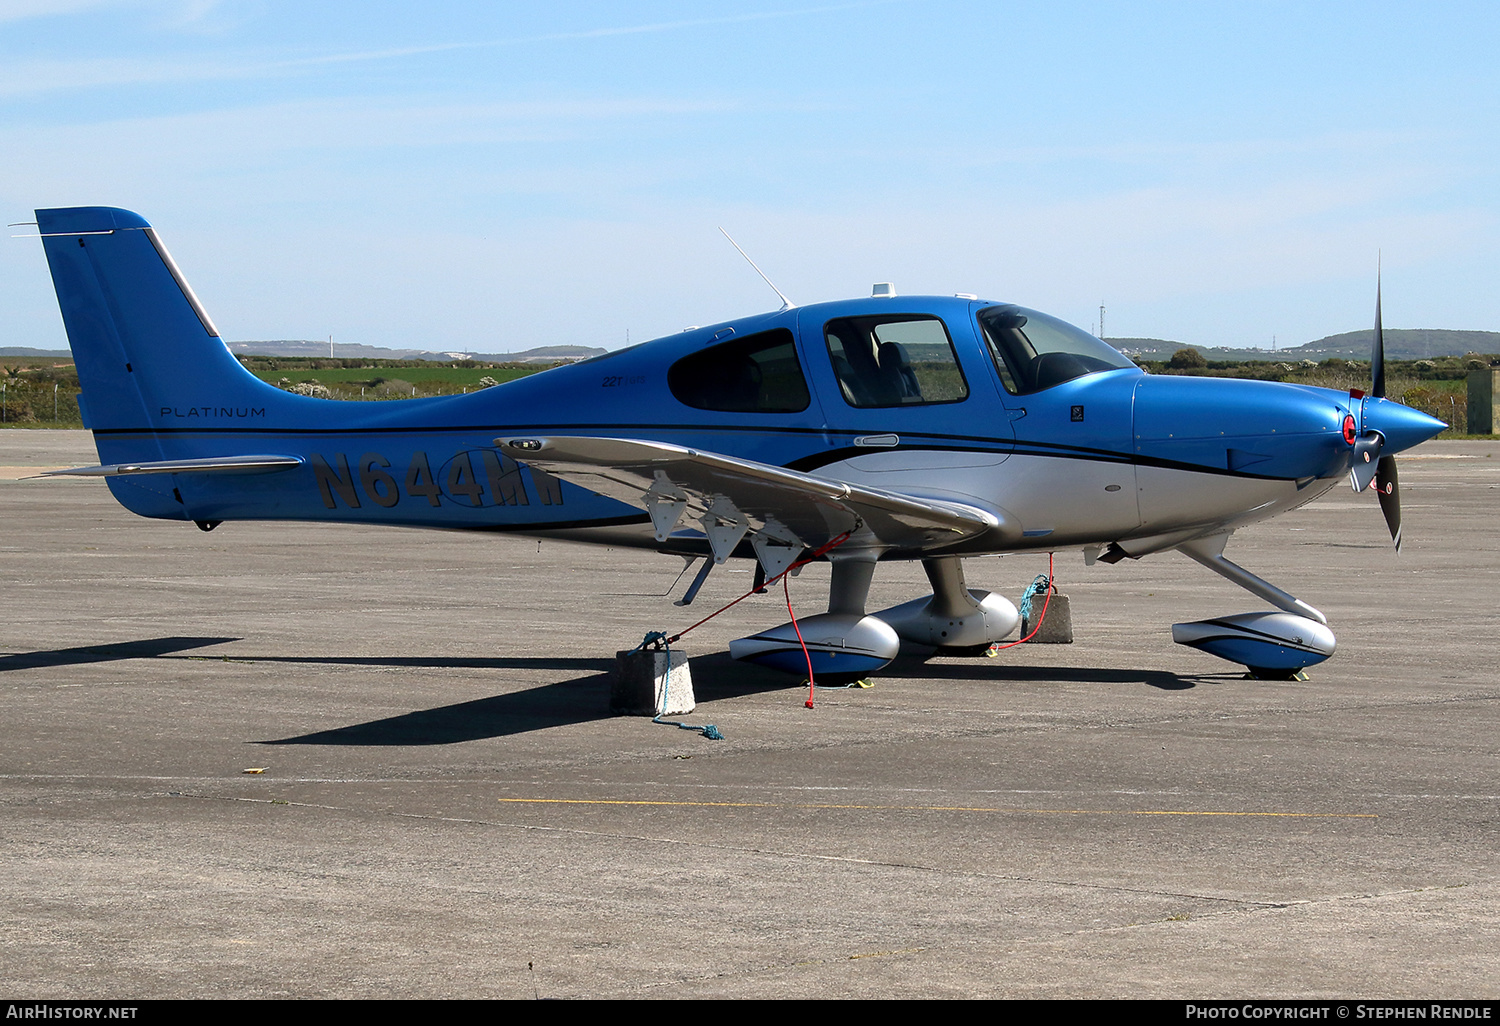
x=150 y=361
x=145 y=349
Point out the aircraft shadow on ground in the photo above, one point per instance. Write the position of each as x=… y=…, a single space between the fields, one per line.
x=580 y=700
x=447 y=662
x=148 y=648
x=995 y=670
x=716 y=677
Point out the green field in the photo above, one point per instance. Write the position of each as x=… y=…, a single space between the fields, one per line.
x=44 y=392
x=393 y=384
x=380 y=379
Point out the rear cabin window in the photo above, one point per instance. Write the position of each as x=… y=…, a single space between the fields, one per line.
x=756 y=374
x=902 y=360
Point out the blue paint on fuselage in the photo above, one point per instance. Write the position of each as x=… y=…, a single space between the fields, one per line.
x=1255 y=428
x=158 y=385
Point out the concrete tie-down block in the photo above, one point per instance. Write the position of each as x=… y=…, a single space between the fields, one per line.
x=646 y=686
x=1057 y=625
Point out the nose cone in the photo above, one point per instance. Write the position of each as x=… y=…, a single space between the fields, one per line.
x=1401 y=426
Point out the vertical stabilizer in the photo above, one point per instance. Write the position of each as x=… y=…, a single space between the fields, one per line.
x=144 y=347
x=158 y=382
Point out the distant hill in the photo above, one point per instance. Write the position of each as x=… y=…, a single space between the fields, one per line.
x=1400 y=344
x=348 y=350
x=1148 y=347
x=36 y=354
x=354 y=350
x=546 y=354
x=1403 y=344
x=1162 y=349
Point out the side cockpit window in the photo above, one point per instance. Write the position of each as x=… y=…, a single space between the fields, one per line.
x=756 y=374
x=902 y=360
x=1033 y=351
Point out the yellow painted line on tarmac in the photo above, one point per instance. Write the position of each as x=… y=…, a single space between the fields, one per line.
x=939 y=808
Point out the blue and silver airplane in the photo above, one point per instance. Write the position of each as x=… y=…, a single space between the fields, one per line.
x=893 y=427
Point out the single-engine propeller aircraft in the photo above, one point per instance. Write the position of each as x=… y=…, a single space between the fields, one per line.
x=899 y=427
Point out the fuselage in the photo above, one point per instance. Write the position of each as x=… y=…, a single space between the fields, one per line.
x=942 y=397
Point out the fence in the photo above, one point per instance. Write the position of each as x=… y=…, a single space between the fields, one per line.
x=26 y=402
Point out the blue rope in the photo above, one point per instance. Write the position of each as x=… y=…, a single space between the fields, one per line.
x=708 y=730
x=1038 y=587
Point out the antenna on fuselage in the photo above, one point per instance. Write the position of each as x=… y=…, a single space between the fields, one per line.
x=786 y=304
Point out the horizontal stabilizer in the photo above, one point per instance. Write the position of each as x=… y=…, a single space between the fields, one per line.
x=731 y=497
x=210 y=465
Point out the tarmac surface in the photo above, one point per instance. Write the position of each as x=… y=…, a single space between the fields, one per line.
x=447 y=808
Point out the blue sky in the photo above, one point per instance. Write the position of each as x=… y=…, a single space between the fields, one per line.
x=497 y=176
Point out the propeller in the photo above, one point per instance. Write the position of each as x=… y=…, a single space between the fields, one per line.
x=1389 y=489
x=1369 y=463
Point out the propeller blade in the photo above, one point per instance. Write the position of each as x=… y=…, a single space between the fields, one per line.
x=1377 y=348
x=1388 y=487
x=1366 y=460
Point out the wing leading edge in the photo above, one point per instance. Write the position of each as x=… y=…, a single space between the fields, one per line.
x=784 y=511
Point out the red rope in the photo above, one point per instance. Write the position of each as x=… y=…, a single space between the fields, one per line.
x=828 y=546
x=1040 y=617
x=786 y=589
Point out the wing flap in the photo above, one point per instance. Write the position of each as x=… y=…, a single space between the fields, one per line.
x=725 y=493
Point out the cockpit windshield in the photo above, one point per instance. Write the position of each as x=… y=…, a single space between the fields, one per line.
x=1033 y=351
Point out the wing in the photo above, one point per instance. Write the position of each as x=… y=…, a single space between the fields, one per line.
x=783 y=510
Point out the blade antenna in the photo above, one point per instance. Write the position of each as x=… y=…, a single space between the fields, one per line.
x=786 y=304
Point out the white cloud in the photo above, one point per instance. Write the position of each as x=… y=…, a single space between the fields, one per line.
x=20 y=10
x=176 y=12
x=22 y=78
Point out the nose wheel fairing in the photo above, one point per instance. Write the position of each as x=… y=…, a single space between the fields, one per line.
x=1268 y=644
